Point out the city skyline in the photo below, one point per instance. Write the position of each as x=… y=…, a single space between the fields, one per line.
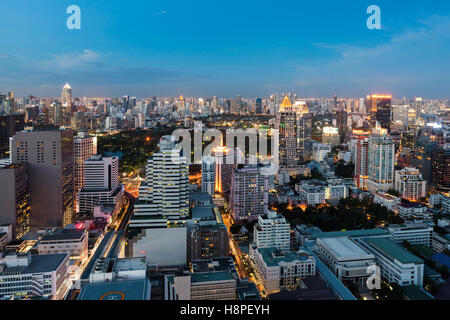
x=205 y=49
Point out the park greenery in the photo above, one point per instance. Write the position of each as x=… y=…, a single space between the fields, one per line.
x=348 y=214
x=133 y=147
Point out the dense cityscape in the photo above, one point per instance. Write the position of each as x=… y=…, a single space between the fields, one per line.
x=100 y=199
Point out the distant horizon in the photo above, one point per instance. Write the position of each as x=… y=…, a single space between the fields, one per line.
x=206 y=48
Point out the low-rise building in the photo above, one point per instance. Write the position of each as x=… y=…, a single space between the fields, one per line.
x=345 y=258
x=34 y=275
x=114 y=269
x=386 y=200
x=396 y=263
x=213 y=286
x=414 y=233
x=282 y=270
x=440 y=243
x=414 y=211
x=312 y=194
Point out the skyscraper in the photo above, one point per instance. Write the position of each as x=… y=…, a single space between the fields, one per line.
x=15 y=198
x=49 y=155
x=84 y=147
x=66 y=95
x=249 y=195
x=9 y=124
x=440 y=168
x=100 y=184
x=361 y=162
x=381 y=161
x=165 y=192
x=287 y=122
x=380 y=109
x=208 y=175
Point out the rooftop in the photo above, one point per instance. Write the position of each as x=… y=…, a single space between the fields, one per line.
x=351 y=233
x=211 y=276
x=273 y=257
x=39 y=263
x=345 y=248
x=123 y=290
x=393 y=251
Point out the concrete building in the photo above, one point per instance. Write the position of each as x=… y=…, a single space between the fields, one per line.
x=414 y=233
x=312 y=194
x=115 y=269
x=49 y=155
x=85 y=146
x=213 y=286
x=381 y=161
x=396 y=263
x=387 y=200
x=272 y=231
x=413 y=210
x=320 y=151
x=100 y=184
x=249 y=196
x=34 y=275
x=336 y=190
x=361 y=162
x=209 y=175
x=9 y=124
x=410 y=184
x=345 y=258
x=15 y=198
x=121 y=290
x=71 y=241
x=280 y=271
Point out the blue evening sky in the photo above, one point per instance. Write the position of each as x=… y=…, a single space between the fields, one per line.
x=226 y=48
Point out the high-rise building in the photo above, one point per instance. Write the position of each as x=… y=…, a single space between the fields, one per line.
x=225 y=162
x=440 y=168
x=380 y=108
x=100 y=184
x=66 y=95
x=361 y=162
x=9 y=125
x=249 y=195
x=258 y=106
x=165 y=191
x=410 y=184
x=209 y=175
x=85 y=146
x=381 y=161
x=15 y=198
x=49 y=155
x=341 y=118
x=287 y=123
x=272 y=231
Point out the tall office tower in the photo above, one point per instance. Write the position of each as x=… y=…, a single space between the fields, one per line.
x=361 y=163
x=49 y=155
x=225 y=162
x=66 y=95
x=304 y=130
x=209 y=175
x=9 y=125
x=287 y=123
x=381 y=160
x=379 y=108
x=361 y=106
x=15 y=198
x=165 y=192
x=272 y=231
x=100 y=184
x=249 y=196
x=259 y=108
x=341 y=118
x=440 y=168
x=410 y=184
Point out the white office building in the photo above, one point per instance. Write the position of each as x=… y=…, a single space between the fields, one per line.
x=282 y=270
x=272 y=231
x=312 y=194
x=336 y=190
x=345 y=258
x=414 y=233
x=396 y=263
x=34 y=275
x=209 y=175
x=410 y=184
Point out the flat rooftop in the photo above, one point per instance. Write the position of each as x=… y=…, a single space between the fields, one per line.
x=393 y=251
x=122 y=290
x=211 y=276
x=345 y=249
x=351 y=233
x=273 y=257
x=39 y=263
